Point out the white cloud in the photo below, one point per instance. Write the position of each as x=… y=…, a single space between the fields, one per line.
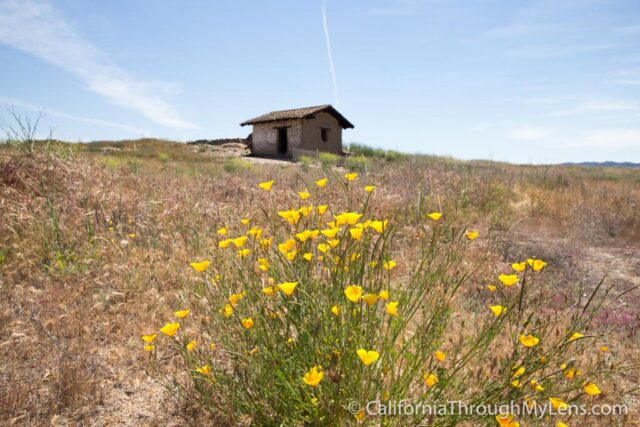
x=12 y=102
x=528 y=133
x=33 y=26
x=610 y=138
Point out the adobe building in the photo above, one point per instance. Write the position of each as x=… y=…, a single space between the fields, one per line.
x=302 y=131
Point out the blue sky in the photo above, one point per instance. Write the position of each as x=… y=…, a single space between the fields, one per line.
x=519 y=81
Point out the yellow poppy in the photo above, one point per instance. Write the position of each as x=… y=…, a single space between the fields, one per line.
x=430 y=379
x=291 y=216
x=303 y=235
x=247 y=322
x=330 y=233
x=223 y=244
x=313 y=376
x=291 y=255
x=369 y=188
x=536 y=264
x=288 y=287
x=305 y=210
x=182 y=313
x=287 y=246
x=347 y=218
x=518 y=372
x=192 y=345
x=245 y=221
x=471 y=235
x=384 y=295
x=379 y=226
x=435 y=216
x=335 y=310
x=368 y=357
x=222 y=231
x=227 y=310
x=591 y=389
x=235 y=298
x=351 y=176
x=266 y=186
x=266 y=243
x=263 y=264
x=149 y=338
x=558 y=403
x=491 y=288
x=243 y=253
x=322 y=182
x=304 y=195
x=528 y=340
x=506 y=420
x=356 y=233
x=200 y=266
x=255 y=232
x=519 y=266
x=170 y=329
x=149 y=347
x=353 y=293
x=498 y=309
x=370 y=299
x=508 y=279
x=392 y=308
x=440 y=355
x=204 y=370
x=575 y=336
x=571 y=373
x=536 y=385
x=239 y=241
x=269 y=290
x=322 y=209
x=324 y=248
x=389 y=265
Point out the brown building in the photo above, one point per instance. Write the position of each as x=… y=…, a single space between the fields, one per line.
x=303 y=131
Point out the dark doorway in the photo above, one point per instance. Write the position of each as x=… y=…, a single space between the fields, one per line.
x=283 y=142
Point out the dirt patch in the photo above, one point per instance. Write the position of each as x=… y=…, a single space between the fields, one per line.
x=581 y=265
x=230 y=149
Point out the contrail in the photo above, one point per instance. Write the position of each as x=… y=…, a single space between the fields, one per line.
x=333 y=70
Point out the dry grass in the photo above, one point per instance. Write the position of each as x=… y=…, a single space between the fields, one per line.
x=94 y=250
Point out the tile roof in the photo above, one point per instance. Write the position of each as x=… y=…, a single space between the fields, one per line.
x=299 y=113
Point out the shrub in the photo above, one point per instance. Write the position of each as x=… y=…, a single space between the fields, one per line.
x=234 y=165
x=305 y=162
x=328 y=160
x=358 y=163
x=297 y=315
x=357 y=149
x=164 y=157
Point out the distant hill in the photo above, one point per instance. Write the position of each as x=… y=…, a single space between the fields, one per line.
x=626 y=165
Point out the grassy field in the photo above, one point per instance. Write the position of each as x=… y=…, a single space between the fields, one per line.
x=96 y=241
